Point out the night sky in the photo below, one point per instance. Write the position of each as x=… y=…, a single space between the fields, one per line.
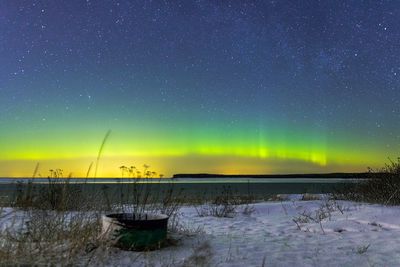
x=199 y=86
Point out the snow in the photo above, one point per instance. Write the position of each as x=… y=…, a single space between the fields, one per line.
x=348 y=234
x=351 y=234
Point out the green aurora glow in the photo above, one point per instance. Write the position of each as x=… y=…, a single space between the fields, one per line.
x=230 y=87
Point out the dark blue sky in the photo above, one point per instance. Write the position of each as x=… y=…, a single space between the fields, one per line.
x=299 y=79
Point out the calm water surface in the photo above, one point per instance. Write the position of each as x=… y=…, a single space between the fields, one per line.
x=259 y=187
x=226 y=180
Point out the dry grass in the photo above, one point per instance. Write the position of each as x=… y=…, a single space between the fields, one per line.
x=382 y=186
x=223 y=205
x=324 y=212
x=278 y=197
x=48 y=238
x=309 y=197
x=59 y=223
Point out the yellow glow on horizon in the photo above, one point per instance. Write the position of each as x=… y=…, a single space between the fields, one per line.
x=202 y=152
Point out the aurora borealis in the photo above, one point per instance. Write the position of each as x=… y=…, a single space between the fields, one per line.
x=199 y=86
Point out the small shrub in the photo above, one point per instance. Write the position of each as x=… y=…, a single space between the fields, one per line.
x=223 y=205
x=57 y=194
x=137 y=196
x=362 y=249
x=324 y=211
x=381 y=186
x=25 y=194
x=278 y=197
x=62 y=225
x=39 y=237
x=248 y=210
x=309 y=197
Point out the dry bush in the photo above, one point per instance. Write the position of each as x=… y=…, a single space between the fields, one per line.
x=381 y=186
x=57 y=194
x=39 y=237
x=137 y=196
x=362 y=249
x=248 y=209
x=278 y=197
x=324 y=211
x=223 y=205
x=59 y=223
x=309 y=197
x=52 y=225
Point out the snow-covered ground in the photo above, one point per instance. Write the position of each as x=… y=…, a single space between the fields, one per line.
x=350 y=234
x=281 y=233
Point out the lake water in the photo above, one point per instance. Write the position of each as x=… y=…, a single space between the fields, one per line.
x=198 y=187
x=226 y=180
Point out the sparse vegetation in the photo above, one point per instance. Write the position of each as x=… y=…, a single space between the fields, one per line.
x=278 y=197
x=382 y=186
x=362 y=249
x=248 y=209
x=308 y=197
x=64 y=236
x=47 y=238
x=57 y=194
x=223 y=205
x=324 y=212
x=60 y=223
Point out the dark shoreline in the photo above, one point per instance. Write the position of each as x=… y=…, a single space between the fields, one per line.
x=335 y=175
x=360 y=175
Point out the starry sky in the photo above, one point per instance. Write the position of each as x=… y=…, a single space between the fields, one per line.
x=199 y=86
